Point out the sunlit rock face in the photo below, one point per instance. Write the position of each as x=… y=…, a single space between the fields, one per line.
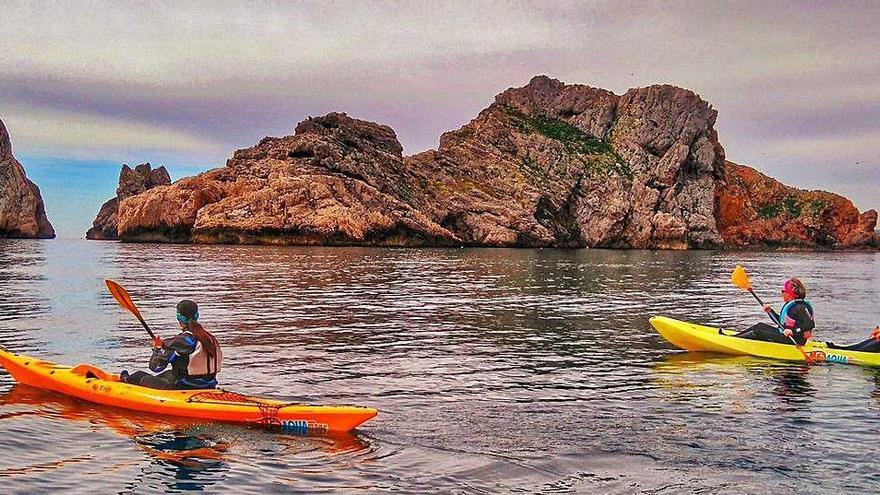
x=758 y=211
x=546 y=165
x=22 y=213
x=337 y=180
x=131 y=182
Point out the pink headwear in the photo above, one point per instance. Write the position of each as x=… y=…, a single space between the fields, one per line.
x=789 y=287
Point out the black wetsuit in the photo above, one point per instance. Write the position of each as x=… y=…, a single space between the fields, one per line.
x=799 y=320
x=174 y=351
x=869 y=345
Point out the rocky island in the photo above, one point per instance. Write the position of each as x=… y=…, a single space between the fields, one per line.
x=22 y=213
x=546 y=165
x=131 y=182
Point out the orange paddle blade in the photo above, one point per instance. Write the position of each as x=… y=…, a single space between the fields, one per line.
x=740 y=278
x=122 y=297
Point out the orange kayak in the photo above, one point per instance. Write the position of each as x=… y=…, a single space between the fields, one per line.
x=93 y=384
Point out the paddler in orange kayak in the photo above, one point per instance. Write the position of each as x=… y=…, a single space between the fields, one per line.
x=194 y=355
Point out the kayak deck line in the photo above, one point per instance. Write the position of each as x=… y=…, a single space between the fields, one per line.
x=701 y=338
x=93 y=384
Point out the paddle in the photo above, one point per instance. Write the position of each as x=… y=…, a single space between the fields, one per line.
x=740 y=278
x=124 y=300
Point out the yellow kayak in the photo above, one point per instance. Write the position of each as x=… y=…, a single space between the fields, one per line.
x=93 y=384
x=693 y=337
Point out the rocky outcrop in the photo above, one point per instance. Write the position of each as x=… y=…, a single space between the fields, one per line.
x=336 y=181
x=22 y=213
x=131 y=182
x=756 y=210
x=548 y=164
x=551 y=164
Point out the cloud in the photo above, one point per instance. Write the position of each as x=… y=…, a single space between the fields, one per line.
x=234 y=72
x=49 y=132
x=205 y=42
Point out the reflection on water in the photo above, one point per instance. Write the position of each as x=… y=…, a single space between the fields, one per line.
x=183 y=454
x=176 y=447
x=794 y=387
x=494 y=370
x=721 y=378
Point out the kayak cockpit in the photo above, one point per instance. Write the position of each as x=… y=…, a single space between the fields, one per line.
x=91 y=371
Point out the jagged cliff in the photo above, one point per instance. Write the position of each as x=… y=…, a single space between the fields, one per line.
x=131 y=182
x=22 y=213
x=548 y=164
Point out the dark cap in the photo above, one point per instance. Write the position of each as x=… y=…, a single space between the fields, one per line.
x=187 y=308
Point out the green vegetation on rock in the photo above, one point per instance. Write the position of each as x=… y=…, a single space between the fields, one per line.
x=817 y=207
x=792 y=206
x=770 y=211
x=789 y=205
x=598 y=156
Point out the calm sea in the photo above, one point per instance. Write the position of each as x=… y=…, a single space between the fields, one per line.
x=494 y=370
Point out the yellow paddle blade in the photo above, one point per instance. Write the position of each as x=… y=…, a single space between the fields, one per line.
x=740 y=278
x=122 y=297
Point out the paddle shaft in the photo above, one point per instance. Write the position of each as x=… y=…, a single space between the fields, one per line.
x=146 y=327
x=752 y=292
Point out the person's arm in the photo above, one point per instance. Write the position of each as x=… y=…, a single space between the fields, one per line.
x=160 y=359
x=774 y=316
x=799 y=320
x=184 y=344
x=181 y=345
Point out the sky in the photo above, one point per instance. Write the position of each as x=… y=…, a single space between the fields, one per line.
x=86 y=86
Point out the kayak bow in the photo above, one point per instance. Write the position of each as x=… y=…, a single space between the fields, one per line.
x=92 y=384
x=700 y=338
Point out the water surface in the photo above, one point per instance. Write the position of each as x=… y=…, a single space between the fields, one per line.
x=494 y=370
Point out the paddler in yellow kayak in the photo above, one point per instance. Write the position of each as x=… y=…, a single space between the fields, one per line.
x=194 y=355
x=794 y=321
